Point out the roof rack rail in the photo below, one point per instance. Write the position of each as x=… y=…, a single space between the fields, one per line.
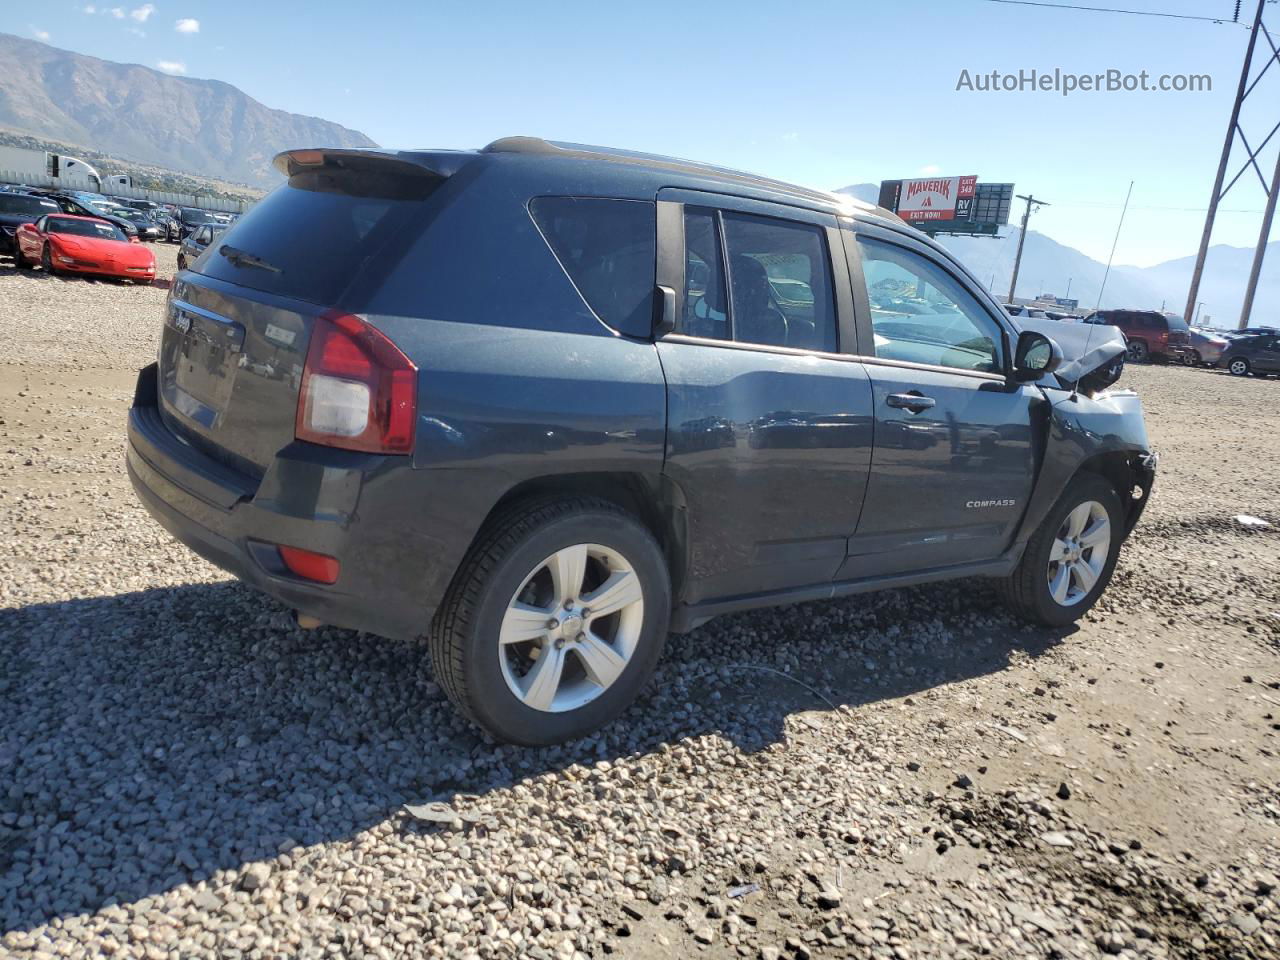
x=538 y=146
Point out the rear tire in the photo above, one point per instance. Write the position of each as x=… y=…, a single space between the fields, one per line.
x=19 y=261
x=182 y=262
x=1070 y=537
x=1139 y=352
x=506 y=613
x=1238 y=367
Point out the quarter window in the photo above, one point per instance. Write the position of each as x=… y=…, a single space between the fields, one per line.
x=921 y=314
x=608 y=248
x=779 y=289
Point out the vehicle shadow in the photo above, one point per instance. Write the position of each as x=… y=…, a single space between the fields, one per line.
x=154 y=738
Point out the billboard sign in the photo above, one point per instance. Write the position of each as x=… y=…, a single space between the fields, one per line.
x=936 y=198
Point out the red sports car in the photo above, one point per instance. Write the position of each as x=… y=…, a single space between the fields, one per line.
x=65 y=243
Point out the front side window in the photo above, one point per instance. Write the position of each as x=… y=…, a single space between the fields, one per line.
x=778 y=292
x=609 y=249
x=921 y=314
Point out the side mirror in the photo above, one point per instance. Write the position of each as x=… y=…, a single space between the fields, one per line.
x=1035 y=356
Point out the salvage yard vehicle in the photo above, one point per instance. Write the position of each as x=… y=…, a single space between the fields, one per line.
x=61 y=243
x=17 y=209
x=195 y=242
x=546 y=402
x=1150 y=333
x=1206 y=347
x=1257 y=354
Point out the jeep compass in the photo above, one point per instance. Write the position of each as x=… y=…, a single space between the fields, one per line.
x=545 y=404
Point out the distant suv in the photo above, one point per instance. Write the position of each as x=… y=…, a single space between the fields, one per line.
x=1150 y=333
x=1257 y=353
x=545 y=402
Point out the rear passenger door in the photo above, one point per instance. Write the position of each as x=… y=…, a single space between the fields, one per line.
x=768 y=423
x=954 y=454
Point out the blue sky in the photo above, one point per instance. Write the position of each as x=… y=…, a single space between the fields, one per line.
x=824 y=94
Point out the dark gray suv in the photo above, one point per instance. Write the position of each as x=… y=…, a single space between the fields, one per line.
x=545 y=403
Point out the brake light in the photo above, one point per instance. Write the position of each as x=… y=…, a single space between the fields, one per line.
x=309 y=565
x=359 y=392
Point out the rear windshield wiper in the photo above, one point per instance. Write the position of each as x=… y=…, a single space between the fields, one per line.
x=242 y=258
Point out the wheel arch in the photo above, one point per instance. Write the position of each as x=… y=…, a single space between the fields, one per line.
x=1130 y=476
x=654 y=499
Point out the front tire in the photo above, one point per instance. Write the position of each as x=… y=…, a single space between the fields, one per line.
x=46 y=262
x=182 y=262
x=554 y=622
x=1069 y=561
x=1238 y=367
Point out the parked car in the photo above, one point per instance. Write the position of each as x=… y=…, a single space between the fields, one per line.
x=1206 y=347
x=1150 y=333
x=1257 y=354
x=61 y=243
x=146 y=206
x=80 y=205
x=17 y=209
x=196 y=241
x=1014 y=310
x=1250 y=332
x=148 y=229
x=544 y=429
x=188 y=218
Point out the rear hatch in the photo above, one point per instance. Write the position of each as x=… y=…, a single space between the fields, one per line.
x=239 y=321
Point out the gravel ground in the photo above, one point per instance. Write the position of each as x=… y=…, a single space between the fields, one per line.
x=183 y=773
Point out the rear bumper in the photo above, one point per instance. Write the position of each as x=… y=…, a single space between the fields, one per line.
x=355 y=507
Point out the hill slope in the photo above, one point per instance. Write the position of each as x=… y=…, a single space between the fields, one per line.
x=203 y=126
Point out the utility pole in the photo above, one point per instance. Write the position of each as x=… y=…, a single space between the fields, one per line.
x=1261 y=252
x=1233 y=128
x=1022 y=238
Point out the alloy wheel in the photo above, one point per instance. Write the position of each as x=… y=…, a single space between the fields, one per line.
x=1239 y=367
x=1079 y=553
x=571 y=628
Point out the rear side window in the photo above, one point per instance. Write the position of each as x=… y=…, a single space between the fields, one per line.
x=779 y=291
x=310 y=238
x=608 y=248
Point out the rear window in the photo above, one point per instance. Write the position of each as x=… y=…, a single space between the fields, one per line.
x=310 y=238
x=608 y=248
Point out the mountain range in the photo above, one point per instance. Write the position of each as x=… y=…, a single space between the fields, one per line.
x=210 y=128
x=203 y=126
x=1045 y=262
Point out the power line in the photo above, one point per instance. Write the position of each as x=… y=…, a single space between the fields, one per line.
x=1136 y=13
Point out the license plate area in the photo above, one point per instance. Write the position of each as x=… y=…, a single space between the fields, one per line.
x=207 y=355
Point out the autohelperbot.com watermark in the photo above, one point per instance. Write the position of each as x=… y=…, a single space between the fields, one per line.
x=1065 y=82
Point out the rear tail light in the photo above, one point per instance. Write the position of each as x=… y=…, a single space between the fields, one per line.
x=359 y=392
x=309 y=565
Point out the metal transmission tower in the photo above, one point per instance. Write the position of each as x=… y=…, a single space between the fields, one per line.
x=1022 y=238
x=1271 y=189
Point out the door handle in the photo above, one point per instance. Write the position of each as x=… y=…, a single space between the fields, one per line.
x=914 y=402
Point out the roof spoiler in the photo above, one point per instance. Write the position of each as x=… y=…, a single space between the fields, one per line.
x=440 y=163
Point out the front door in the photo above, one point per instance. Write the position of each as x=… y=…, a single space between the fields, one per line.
x=768 y=425
x=954 y=455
